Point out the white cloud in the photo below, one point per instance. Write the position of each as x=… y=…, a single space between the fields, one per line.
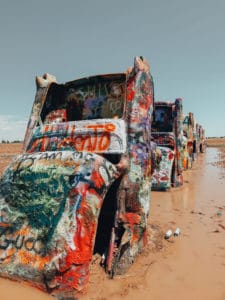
x=12 y=127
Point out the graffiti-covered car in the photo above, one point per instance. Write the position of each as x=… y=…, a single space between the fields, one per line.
x=200 y=138
x=167 y=133
x=82 y=184
x=188 y=132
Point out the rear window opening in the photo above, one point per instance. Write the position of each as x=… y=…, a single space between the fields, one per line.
x=98 y=97
x=162 y=119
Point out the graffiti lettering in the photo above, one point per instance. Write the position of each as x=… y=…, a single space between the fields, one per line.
x=110 y=127
x=36 y=145
x=27 y=161
x=77 y=155
x=91 y=138
x=7 y=238
x=54 y=155
x=115 y=106
x=113 y=88
x=92 y=143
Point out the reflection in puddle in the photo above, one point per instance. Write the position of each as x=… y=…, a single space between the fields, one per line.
x=201 y=186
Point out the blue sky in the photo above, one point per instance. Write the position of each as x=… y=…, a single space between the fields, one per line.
x=184 y=42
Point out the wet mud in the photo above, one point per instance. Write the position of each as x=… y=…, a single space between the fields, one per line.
x=188 y=266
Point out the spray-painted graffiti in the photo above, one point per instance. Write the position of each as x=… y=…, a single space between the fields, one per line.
x=91 y=98
x=167 y=132
x=45 y=200
x=200 y=138
x=161 y=178
x=99 y=136
x=82 y=185
x=188 y=131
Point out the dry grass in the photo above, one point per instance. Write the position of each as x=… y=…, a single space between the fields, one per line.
x=7 y=151
x=215 y=142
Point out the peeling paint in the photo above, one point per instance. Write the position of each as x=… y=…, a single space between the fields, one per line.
x=188 y=131
x=82 y=184
x=167 y=133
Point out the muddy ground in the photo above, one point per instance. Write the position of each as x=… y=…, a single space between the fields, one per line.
x=189 y=266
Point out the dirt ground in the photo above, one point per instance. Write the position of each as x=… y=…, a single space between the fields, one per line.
x=215 y=142
x=189 y=266
x=7 y=151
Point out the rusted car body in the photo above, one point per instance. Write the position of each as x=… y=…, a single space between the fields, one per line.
x=167 y=133
x=188 y=132
x=199 y=139
x=200 y=133
x=202 y=140
x=82 y=185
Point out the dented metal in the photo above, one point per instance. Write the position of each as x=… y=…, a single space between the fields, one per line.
x=188 y=131
x=200 y=138
x=82 y=185
x=167 y=133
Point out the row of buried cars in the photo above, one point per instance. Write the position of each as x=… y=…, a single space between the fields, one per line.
x=179 y=140
x=93 y=150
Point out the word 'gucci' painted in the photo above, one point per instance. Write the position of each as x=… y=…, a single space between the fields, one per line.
x=82 y=184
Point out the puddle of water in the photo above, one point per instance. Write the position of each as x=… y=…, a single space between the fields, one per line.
x=193 y=266
x=202 y=184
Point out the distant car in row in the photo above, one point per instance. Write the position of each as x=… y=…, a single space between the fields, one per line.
x=168 y=135
x=178 y=139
